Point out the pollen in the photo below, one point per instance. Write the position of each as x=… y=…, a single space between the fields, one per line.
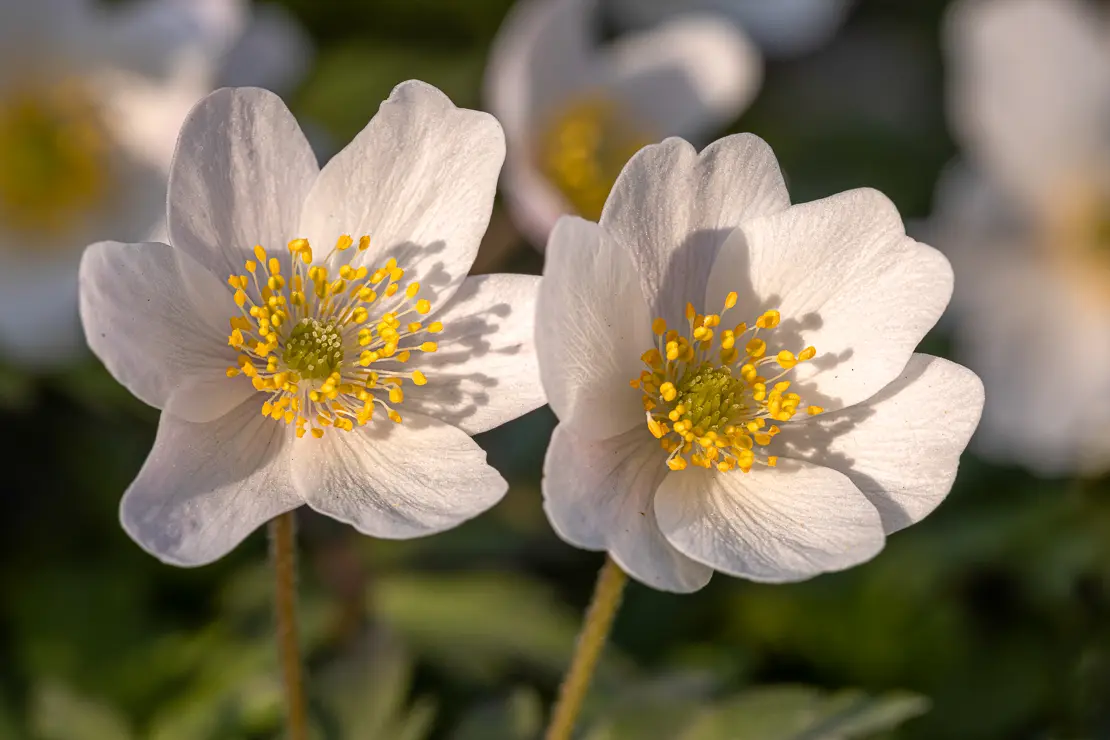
x=55 y=166
x=326 y=342
x=714 y=397
x=583 y=149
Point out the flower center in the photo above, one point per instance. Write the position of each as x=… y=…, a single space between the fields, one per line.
x=311 y=344
x=708 y=404
x=584 y=149
x=53 y=159
x=314 y=349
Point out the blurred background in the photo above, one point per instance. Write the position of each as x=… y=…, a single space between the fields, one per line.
x=982 y=121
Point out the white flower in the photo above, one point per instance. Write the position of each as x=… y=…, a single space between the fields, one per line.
x=311 y=335
x=778 y=422
x=91 y=99
x=1025 y=222
x=575 y=110
x=782 y=27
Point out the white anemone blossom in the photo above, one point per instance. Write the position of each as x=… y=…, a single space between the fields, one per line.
x=1026 y=221
x=311 y=336
x=781 y=27
x=576 y=109
x=91 y=98
x=735 y=376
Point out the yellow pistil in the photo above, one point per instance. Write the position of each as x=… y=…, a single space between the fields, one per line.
x=584 y=149
x=706 y=395
x=311 y=345
x=54 y=163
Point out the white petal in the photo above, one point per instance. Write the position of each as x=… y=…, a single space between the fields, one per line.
x=1010 y=332
x=672 y=209
x=420 y=181
x=847 y=280
x=685 y=78
x=533 y=202
x=592 y=326
x=205 y=487
x=153 y=334
x=397 y=481
x=902 y=446
x=787 y=27
x=542 y=55
x=1029 y=89
x=598 y=496
x=773 y=524
x=485 y=371
x=240 y=174
x=273 y=51
x=166 y=38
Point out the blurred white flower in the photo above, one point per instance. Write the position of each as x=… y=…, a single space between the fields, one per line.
x=778 y=423
x=1026 y=222
x=310 y=335
x=575 y=109
x=781 y=27
x=91 y=99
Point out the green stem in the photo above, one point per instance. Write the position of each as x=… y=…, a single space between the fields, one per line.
x=595 y=629
x=283 y=555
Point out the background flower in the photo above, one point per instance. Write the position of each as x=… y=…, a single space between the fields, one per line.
x=1024 y=219
x=91 y=98
x=576 y=108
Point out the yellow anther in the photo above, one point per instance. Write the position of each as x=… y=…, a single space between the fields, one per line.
x=292 y=339
x=769 y=320
x=718 y=412
x=814 y=410
x=363 y=243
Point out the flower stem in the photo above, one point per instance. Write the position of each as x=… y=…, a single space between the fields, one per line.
x=591 y=640
x=283 y=555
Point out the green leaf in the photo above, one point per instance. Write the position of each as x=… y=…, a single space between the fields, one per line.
x=479 y=624
x=58 y=713
x=804 y=713
x=519 y=716
x=365 y=694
